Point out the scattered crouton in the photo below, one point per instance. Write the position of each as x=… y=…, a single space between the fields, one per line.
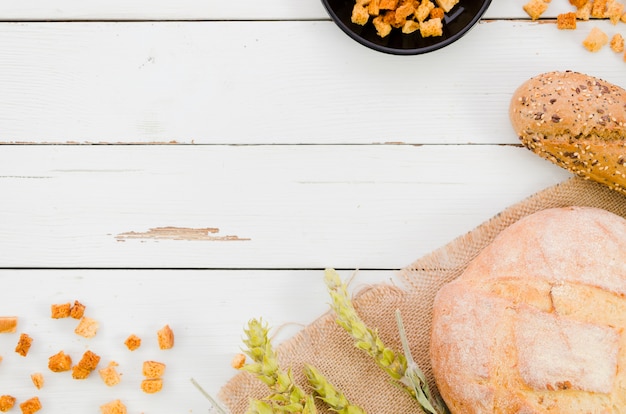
x=109 y=375
x=87 y=327
x=60 y=310
x=578 y=3
x=595 y=40
x=6 y=403
x=60 y=362
x=78 y=310
x=153 y=369
x=566 y=21
x=37 y=379
x=360 y=15
x=238 y=361
x=152 y=385
x=598 y=9
x=584 y=12
x=617 y=43
x=24 y=344
x=86 y=365
x=423 y=10
x=8 y=324
x=437 y=13
x=31 y=406
x=535 y=8
x=113 y=407
x=133 y=342
x=165 y=337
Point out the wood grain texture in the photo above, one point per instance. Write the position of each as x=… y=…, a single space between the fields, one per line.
x=377 y=207
x=213 y=82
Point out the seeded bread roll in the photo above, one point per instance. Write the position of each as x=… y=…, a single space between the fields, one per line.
x=537 y=322
x=576 y=121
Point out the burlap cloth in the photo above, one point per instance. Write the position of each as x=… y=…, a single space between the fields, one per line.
x=331 y=350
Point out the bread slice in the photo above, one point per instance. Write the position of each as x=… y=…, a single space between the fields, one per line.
x=577 y=122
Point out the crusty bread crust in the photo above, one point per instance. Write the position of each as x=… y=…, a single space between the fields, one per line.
x=576 y=121
x=536 y=323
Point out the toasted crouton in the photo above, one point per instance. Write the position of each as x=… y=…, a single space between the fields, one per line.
x=447 y=5
x=152 y=385
x=59 y=311
x=133 y=342
x=8 y=324
x=360 y=15
x=595 y=40
x=598 y=9
x=437 y=13
x=535 y=8
x=31 y=406
x=566 y=21
x=578 y=3
x=431 y=27
x=388 y=4
x=86 y=365
x=78 y=310
x=373 y=8
x=6 y=403
x=153 y=369
x=617 y=43
x=109 y=375
x=238 y=361
x=423 y=10
x=87 y=327
x=60 y=362
x=24 y=344
x=37 y=379
x=165 y=337
x=584 y=12
x=614 y=11
x=113 y=407
x=410 y=26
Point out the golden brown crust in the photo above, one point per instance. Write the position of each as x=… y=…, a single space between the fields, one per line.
x=31 y=406
x=60 y=362
x=24 y=344
x=87 y=327
x=536 y=322
x=152 y=385
x=6 y=402
x=8 y=324
x=78 y=310
x=576 y=121
x=113 y=407
x=60 y=310
x=38 y=380
x=109 y=375
x=133 y=342
x=153 y=369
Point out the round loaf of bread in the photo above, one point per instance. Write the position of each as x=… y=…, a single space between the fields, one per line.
x=576 y=121
x=536 y=323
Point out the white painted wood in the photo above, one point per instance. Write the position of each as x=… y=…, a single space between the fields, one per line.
x=207 y=310
x=271 y=82
x=366 y=207
x=207 y=9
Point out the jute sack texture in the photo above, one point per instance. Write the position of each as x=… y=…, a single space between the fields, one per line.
x=326 y=346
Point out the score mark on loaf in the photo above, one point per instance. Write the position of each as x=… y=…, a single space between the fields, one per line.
x=536 y=323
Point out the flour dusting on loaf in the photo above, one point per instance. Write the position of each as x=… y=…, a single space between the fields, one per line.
x=536 y=323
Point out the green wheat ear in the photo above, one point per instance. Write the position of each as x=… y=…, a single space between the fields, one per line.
x=401 y=368
x=327 y=392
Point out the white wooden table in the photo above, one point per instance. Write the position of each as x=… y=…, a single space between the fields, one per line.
x=199 y=162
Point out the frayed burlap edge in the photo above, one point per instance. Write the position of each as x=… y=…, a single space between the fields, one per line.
x=325 y=345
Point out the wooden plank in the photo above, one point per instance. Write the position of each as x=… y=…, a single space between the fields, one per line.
x=216 y=83
x=207 y=310
x=367 y=207
x=205 y=10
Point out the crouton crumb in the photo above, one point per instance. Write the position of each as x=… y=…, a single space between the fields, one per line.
x=6 y=403
x=37 y=379
x=24 y=344
x=87 y=327
x=165 y=337
x=31 y=406
x=133 y=342
x=60 y=362
x=238 y=361
x=113 y=407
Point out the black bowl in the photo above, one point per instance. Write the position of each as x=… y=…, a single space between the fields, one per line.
x=456 y=23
